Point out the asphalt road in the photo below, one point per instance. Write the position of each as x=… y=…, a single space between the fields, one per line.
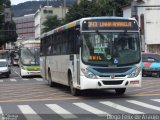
x=32 y=99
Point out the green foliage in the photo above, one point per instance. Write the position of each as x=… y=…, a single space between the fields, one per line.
x=8 y=33
x=96 y=8
x=50 y=23
x=87 y=8
x=7 y=29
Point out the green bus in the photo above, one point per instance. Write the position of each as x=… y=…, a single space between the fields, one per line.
x=29 y=61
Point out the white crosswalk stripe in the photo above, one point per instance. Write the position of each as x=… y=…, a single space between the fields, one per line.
x=91 y=109
x=120 y=107
x=1 y=112
x=38 y=79
x=13 y=80
x=25 y=79
x=157 y=100
x=1 y=80
x=144 y=105
x=29 y=113
x=61 y=111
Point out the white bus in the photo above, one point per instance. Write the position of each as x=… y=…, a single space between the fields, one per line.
x=86 y=54
x=29 y=60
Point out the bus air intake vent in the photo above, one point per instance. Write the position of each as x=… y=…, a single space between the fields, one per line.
x=112 y=70
x=110 y=75
x=112 y=82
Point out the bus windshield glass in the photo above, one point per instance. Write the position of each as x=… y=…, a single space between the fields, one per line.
x=111 y=48
x=30 y=56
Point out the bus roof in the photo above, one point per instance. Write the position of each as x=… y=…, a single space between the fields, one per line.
x=77 y=22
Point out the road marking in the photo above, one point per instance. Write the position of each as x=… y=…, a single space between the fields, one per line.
x=13 y=80
x=25 y=79
x=1 y=80
x=1 y=112
x=38 y=79
x=60 y=111
x=91 y=109
x=120 y=107
x=157 y=100
x=29 y=113
x=144 y=104
x=16 y=72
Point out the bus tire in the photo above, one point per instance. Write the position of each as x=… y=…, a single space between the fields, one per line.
x=50 y=83
x=120 y=91
x=74 y=91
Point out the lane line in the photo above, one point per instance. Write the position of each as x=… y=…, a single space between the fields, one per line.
x=25 y=79
x=142 y=104
x=16 y=72
x=1 y=80
x=13 y=80
x=91 y=109
x=29 y=113
x=157 y=100
x=38 y=79
x=122 y=108
x=61 y=111
x=1 y=112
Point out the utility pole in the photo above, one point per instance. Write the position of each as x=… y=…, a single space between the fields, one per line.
x=63 y=9
x=47 y=3
x=134 y=8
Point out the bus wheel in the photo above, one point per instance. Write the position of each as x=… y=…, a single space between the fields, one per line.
x=74 y=91
x=120 y=91
x=50 y=83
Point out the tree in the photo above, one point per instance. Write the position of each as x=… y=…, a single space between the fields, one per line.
x=88 y=8
x=7 y=29
x=51 y=23
x=84 y=9
x=96 y=8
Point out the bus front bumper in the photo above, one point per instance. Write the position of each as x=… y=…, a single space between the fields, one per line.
x=29 y=73
x=108 y=83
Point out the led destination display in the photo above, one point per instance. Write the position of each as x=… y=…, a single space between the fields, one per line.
x=110 y=25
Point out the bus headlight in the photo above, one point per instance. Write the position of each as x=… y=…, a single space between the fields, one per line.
x=135 y=73
x=88 y=74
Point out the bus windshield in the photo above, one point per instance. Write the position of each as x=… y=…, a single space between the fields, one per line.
x=111 y=48
x=30 y=56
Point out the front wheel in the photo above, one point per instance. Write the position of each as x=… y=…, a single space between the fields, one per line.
x=74 y=91
x=120 y=91
x=50 y=83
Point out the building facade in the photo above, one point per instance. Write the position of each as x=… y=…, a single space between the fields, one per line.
x=42 y=13
x=148 y=17
x=25 y=26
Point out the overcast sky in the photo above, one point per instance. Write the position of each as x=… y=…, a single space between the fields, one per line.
x=15 y=2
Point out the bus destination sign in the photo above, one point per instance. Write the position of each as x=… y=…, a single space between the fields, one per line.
x=109 y=24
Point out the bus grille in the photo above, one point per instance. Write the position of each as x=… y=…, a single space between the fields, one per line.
x=112 y=82
x=110 y=75
x=112 y=70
